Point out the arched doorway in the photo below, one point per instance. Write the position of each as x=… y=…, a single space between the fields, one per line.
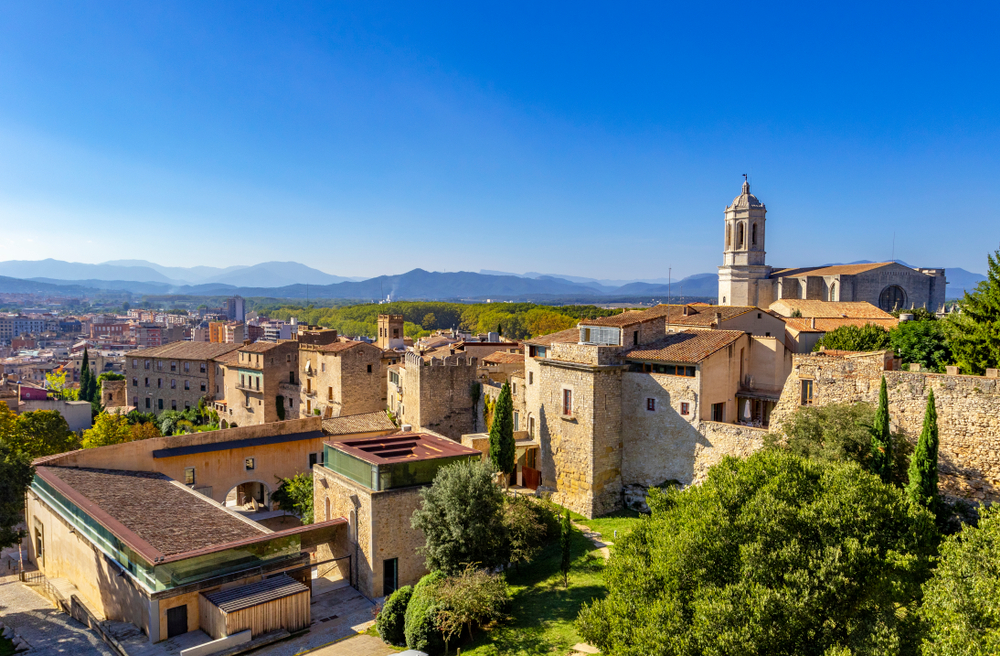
x=249 y=496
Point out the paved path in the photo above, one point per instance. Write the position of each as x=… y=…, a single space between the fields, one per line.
x=336 y=615
x=595 y=538
x=359 y=645
x=50 y=632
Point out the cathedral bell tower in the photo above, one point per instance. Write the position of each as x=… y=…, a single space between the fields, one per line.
x=743 y=274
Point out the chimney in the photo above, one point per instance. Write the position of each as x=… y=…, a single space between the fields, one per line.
x=687 y=309
x=247 y=342
x=812 y=323
x=718 y=318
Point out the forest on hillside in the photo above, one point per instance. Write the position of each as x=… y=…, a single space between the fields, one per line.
x=512 y=320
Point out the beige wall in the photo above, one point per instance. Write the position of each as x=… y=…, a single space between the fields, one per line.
x=758 y=322
x=245 y=404
x=770 y=363
x=347 y=382
x=166 y=385
x=720 y=375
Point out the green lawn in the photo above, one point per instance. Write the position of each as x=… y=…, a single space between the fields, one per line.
x=621 y=521
x=543 y=611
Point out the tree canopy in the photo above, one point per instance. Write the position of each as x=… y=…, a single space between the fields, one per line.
x=37 y=433
x=461 y=516
x=295 y=495
x=975 y=330
x=922 y=342
x=855 y=338
x=922 y=488
x=15 y=477
x=773 y=555
x=502 y=448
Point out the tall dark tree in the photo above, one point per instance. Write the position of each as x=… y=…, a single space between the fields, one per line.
x=565 y=542
x=88 y=382
x=881 y=437
x=15 y=477
x=502 y=449
x=923 y=486
x=975 y=330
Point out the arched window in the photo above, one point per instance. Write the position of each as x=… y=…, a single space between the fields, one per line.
x=753 y=235
x=892 y=298
x=729 y=230
x=833 y=292
x=740 y=237
x=803 y=289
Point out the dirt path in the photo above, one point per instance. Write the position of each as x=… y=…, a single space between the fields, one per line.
x=595 y=539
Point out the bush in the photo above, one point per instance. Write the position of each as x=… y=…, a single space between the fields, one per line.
x=391 y=621
x=421 y=628
x=530 y=526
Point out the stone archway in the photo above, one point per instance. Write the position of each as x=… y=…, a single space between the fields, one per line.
x=249 y=496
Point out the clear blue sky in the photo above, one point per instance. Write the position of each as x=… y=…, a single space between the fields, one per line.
x=596 y=140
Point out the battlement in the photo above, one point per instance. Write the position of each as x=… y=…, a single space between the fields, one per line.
x=452 y=360
x=390 y=317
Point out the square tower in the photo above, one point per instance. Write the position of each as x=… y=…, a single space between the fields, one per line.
x=390 y=331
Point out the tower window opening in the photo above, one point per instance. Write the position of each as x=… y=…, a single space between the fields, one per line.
x=753 y=234
x=740 y=237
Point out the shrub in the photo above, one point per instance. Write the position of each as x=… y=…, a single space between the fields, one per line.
x=391 y=621
x=421 y=627
x=529 y=526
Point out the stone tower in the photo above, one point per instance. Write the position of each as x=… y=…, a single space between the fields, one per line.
x=743 y=274
x=390 y=331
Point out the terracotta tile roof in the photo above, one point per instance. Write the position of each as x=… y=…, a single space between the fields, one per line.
x=624 y=319
x=686 y=346
x=829 y=310
x=364 y=423
x=568 y=336
x=228 y=358
x=260 y=347
x=698 y=314
x=186 y=350
x=335 y=347
x=166 y=516
x=837 y=269
x=501 y=357
x=805 y=325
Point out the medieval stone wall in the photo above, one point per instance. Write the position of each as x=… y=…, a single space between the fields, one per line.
x=438 y=394
x=968 y=412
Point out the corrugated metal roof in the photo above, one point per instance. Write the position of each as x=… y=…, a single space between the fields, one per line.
x=254 y=594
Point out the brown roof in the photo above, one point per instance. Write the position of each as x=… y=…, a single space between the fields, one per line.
x=228 y=358
x=254 y=594
x=830 y=310
x=502 y=357
x=624 y=319
x=186 y=350
x=568 y=336
x=699 y=314
x=260 y=347
x=403 y=447
x=805 y=325
x=364 y=423
x=335 y=347
x=837 y=269
x=165 y=517
x=686 y=346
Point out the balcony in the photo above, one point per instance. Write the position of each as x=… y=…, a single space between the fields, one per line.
x=247 y=388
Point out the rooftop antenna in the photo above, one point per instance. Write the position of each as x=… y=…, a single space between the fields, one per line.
x=669 y=270
x=893 y=245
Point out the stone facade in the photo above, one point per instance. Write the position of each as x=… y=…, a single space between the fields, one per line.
x=343 y=378
x=379 y=528
x=968 y=411
x=435 y=394
x=113 y=393
x=252 y=384
x=172 y=377
x=390 y=332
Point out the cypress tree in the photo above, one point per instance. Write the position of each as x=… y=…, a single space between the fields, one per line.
x=85 y=378
x=564 y=542
x=881 y=438
x=502 y=449
x=923 y=486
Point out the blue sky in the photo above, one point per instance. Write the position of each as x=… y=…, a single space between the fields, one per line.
x=597 y=140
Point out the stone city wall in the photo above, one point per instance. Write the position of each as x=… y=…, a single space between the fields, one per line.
x=968 y=410
x=438 y=394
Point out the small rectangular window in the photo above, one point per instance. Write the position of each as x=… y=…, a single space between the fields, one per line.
x=567 y=402
x=189 y=476
x=187 y=367
x=159 y=382
x=531 y=377
x=135 y=382
x=249 y=464
x=685 y=408
x=173 y=383
x=807 y=392
x=651 y=405
x=202 y=367
x=187 y=384
x=635 y=338
x=203 y=387
x=159 y=404
x=719 y=411
x=517 y=421
x=173 y=404
x=369 y=368
x=147 y=403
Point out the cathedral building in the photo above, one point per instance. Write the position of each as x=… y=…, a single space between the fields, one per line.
x=746 y=279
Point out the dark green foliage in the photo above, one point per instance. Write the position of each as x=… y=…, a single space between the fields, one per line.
x=135 y=417
x=839 y=432
x=502 y=449
x=391 y=620
x=565 y=541
x=773 y=555
x=42 y=433
x=529 y=526
x=855 y=338
x=461 y=517
x=975 y=330
x=922 y=342
x=88 y=383
x=109 y=375
x=421 y=630
x=881 y=438
x=16 y=474
x=295 y=495
x=960 y=608
x=923 y=486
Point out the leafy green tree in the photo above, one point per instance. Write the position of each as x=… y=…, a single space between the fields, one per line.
x=41 y=433
x=109 y=375
x=16 y=474
x=295 y=494
x=565 y=545
x=461 y=517
x=502 y=448
x=922 y=342
x=473 y=596
x=975 y=330
x=923 y=486
x=526 y=530
x=960 y=607
x=421 y=623
x=429 y=322
x=108 y=429
x=56 y=382
x=855 y=338
x=772 y=554
x=881 y=437
x=391 y=620
x=839 y=432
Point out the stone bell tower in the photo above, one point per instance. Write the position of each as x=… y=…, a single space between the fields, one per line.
x=743 y=276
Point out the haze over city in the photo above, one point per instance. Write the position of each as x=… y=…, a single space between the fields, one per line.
x=575 y=139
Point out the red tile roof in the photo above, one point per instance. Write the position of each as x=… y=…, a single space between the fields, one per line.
x=368 y=422
x=624 y=319
x=828 y=309
x=805 y=325
x=686 y=346
x=501 y=357
x=697 y=314
x=568 y=336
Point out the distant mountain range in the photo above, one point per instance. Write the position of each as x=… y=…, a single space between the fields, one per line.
x=297 y=281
